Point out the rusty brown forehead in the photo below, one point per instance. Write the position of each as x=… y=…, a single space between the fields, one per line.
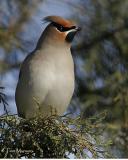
x=59 y=20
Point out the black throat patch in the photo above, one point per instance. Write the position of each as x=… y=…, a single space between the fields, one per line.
x=70 y=36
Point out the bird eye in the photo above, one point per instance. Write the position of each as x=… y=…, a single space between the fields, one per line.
x=60 y=28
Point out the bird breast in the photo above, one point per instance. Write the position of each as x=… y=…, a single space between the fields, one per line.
x=50 y=79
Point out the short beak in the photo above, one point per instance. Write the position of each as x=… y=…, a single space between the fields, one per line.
x=78 y=28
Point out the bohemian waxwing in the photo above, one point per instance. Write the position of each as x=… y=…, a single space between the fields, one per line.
x=46 y=79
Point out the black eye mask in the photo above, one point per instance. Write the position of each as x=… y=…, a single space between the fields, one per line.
x=62 y=28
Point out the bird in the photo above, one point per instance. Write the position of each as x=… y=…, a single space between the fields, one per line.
x=46 y=78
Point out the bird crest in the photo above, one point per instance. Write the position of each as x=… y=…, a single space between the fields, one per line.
x=58 y=20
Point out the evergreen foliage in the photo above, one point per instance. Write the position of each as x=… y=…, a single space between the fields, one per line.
x=52 y=137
